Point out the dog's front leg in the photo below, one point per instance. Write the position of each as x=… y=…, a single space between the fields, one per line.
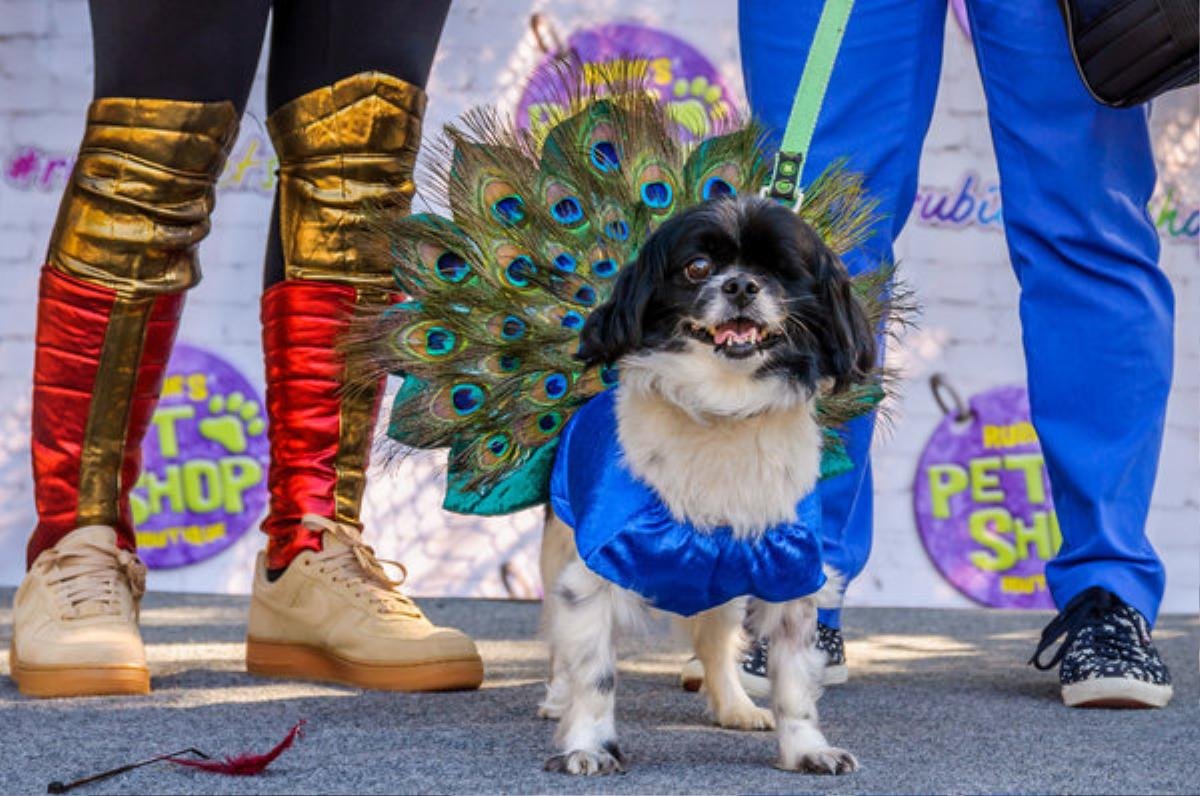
x=558 y=550
x=794 y=666
x=581 y=634
x=716 y=637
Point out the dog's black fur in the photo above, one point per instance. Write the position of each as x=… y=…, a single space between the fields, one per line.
x=825 y=334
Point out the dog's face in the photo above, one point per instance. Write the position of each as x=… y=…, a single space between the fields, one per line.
x=741 y=285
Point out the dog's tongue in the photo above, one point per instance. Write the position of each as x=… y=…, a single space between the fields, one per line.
x=736 y=332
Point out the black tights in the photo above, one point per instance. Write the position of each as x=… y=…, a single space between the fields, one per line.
x=207 y=51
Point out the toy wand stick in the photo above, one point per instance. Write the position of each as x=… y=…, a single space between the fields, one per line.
x=59 y=787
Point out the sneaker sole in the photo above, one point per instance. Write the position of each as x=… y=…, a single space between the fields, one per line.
x=302 y=662
x=692 y=679
x=1116 y=692
x=836 y=674
x=48 y=682
x=761 y=687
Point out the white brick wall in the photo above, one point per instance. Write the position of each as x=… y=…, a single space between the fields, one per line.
x=968 y=331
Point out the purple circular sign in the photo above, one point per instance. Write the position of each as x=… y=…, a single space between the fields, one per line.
x=204 y=462
x=682 y=78
x=982 y=503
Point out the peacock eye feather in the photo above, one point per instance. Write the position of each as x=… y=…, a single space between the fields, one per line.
x=657 y=195
x=572 y=320
x=608 y=375
x=586 y=295
x=495 y=450
x=512 y=328
x=508 y=327
x=450 y=267
x=605 y=269
x=567 y=211
x=717 y=187
x=466 y=398
x=556 y=385
x=518 y=271
x=546 y=388
x=604 y=156
x=565 y=262
x=439 y=341
x=509 y=210
x=617 y=230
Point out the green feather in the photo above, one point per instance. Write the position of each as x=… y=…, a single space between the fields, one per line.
x=492 y=296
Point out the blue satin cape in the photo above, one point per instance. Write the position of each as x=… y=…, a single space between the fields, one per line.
x=625 y=533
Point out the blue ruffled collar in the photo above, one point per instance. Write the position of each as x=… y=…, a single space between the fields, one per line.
x=625 y=533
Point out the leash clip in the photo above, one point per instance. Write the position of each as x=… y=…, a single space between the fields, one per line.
x=784 y=186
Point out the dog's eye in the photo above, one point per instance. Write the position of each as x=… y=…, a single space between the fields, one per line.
x=698 y=269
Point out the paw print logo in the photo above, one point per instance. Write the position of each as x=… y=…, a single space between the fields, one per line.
x=231 y=421
x=695 y=103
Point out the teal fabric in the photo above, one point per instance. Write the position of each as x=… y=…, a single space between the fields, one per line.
x=528 y=486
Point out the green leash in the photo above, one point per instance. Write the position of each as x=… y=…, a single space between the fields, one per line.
x=784 y=185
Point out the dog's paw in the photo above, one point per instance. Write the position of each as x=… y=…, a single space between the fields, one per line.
x=827 y=760
x=588 y=762
x=746 y=716
x=550 y=710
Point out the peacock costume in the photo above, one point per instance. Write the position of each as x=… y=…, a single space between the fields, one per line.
x=495 y=295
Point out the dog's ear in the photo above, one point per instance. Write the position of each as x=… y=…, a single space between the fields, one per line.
x=615 y=327
x=847 y=343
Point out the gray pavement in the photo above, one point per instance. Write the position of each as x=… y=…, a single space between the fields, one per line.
x=938 y=702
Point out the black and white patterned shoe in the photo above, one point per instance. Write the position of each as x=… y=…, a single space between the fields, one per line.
x=829 y=640
x=753 y=671
x=1107 y=658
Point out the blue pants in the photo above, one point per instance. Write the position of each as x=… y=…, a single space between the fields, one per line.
x=1096 y=311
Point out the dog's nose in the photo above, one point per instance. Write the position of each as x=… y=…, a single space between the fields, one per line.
x=741 y=289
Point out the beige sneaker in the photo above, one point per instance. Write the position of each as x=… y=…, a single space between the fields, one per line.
x=75 y=620
x=335 y=615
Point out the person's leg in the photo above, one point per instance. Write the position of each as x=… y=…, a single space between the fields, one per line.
x=345 y=96
x=345 y=118
x=1096 y=310
x=315 y=43
x=177 y=49
x=876 y=114
x=171 y=77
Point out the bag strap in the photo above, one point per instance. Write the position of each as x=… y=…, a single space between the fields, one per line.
x=784 y=185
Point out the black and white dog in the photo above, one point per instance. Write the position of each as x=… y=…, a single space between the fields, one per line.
x=731 y=320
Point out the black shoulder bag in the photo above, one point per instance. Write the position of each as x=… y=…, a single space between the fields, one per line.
x=1130 y=51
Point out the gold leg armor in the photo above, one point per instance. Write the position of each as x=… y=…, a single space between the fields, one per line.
x=122 y=252
x=344 y=150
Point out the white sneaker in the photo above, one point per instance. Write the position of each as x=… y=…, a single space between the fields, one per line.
x=75 y=620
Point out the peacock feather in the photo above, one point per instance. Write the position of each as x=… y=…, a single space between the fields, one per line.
x=494 y=294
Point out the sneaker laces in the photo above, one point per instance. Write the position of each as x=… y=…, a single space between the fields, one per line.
x=360 y=568
x=1092 y=608
x=87 y=578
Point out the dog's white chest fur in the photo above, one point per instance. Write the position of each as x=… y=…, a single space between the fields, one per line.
x=745 y=472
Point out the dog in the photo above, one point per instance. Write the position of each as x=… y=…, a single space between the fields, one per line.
x=731 y=320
